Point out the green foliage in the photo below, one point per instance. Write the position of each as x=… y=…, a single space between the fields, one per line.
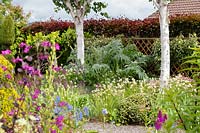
x=179 y=49
x=85 y=4
x=114 y=59
x=67 y=42
x=132 y=110
x=7 y=32
x=181 y=103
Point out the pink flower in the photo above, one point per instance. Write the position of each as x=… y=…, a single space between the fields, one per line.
x=36 y=94
x=52 y=130
x=160 y=120
x=27 y=49
x=57 y=69
x=46 y=44
x=59 y=122
x=17 y=60
x=43 y=57
x=38 y=108
x=22 y=45
x=28 y=68
x=8 y=76
x=6 y=52
x=4 y=68
x=57 y=46
x=62 y=104
x=12 y=112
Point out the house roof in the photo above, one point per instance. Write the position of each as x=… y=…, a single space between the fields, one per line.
x=180 y=7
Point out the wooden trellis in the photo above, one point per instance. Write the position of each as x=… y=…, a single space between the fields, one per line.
x=145 y=45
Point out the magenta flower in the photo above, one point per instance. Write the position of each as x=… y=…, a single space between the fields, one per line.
x=57 y=46
x=22 y=45
x=17 y=60
x=52 y=130
x=28 y=68
x=8 y=76
x=161 y=118
x=12 y=112
x=37 y=73
x=62 y=104
x=57 y=69
x=36 y=94
x=27 y=49
x=43 y=57
x=46 y=44
x=6 y=52
x=4 y=68
x=59 y=122
x=38 y=108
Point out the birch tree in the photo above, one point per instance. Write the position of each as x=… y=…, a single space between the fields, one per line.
x=78 y=9
x=162 y=6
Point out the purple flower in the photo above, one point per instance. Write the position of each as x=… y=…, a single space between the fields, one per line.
x=12 y=112
x=79 y=116
x=37 y=73
x=6 y=52
x=46 y=44
x=59 y=122
x=69 y=107
x=104 y=111
x=28 y=68
x=52 y=130
x=57 y=69
x=86 y=111
x=160 y=120
x=62 y=104
x=27 y=49
x=43 y=57
x=8 y=76
x=57 y=46
x=36 y=94
x=4 y=68
x=57 y=100
x=22 y=45
x=38 y=108
x=16 y=60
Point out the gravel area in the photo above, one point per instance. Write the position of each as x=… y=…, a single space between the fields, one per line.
x=110 y=128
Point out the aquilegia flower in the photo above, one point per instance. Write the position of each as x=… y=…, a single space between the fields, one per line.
x=6 y=52
x=161 y=118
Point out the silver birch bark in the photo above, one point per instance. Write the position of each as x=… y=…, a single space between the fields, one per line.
x=80 y=40
x=164 y=39
x=165 y=48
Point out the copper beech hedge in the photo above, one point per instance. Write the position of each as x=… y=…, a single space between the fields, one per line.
x=149 y=27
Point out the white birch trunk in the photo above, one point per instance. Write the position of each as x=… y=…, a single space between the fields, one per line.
x=165 y=48
x=80 y=40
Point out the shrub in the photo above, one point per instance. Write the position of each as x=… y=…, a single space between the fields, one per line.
x=179 y=49
x=132 y=110
x=7 y=32
x=149 y=27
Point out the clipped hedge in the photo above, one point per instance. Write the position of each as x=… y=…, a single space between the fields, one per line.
x=182 y=24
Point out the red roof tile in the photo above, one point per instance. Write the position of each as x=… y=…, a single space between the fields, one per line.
x=179 y=7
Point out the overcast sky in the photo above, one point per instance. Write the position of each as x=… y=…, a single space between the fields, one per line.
x=44 y=9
